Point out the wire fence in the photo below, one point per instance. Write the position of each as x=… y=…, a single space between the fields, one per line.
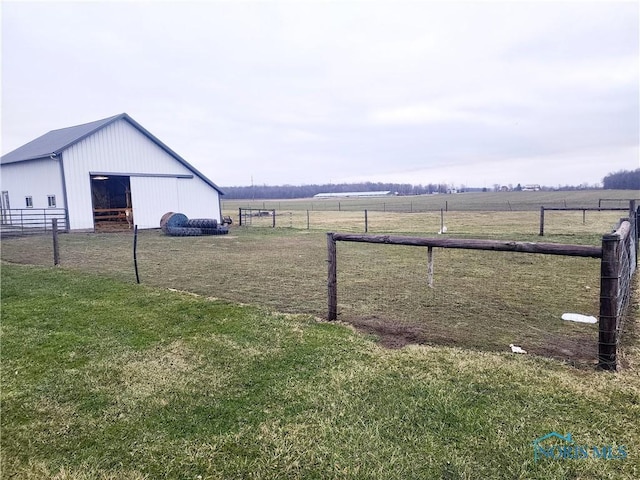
x=517 y=223
x=479 y=299
x=619 y=262
x=490 y=202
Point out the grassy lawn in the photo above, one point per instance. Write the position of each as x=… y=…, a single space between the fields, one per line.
x=106 y=379
x=480 y=300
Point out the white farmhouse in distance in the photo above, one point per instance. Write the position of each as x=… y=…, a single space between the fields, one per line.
x=100 y=171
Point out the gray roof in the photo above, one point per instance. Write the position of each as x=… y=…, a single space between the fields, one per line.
x=56 y=141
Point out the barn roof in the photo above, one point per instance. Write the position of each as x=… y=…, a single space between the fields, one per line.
x=56 y=141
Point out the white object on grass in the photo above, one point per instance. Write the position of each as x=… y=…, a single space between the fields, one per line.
x=443 y=230
x=578 y=317
x=516 y=349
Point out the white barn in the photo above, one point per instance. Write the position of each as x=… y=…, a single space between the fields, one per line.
x=97 y=170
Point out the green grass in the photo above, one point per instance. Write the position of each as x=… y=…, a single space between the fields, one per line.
x=105 y=379
x=480 y=300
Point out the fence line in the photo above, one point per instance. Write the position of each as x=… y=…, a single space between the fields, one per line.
x=584 y=211
x=427 y=223
x=503 y=202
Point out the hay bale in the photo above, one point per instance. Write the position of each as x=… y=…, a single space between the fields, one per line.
x=171 y=219
x=163 y=220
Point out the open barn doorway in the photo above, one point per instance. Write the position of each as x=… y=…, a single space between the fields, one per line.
x=111 y=198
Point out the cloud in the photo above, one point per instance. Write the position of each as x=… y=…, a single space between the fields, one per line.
x=583 y=167
x=311 y=91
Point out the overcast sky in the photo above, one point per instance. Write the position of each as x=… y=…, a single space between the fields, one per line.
x=472 y=93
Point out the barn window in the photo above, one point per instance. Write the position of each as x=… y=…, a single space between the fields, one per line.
x=51 y=199
x=29 y=202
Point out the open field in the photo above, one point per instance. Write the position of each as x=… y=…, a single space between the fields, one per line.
x=480 y=300
x=487 y=201
x=463 y=214
x=107 y=380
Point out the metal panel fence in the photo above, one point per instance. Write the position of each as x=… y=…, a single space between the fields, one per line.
x=28 y=221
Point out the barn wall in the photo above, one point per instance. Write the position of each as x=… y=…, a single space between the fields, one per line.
x=151 y=198
x=37 y=179
x=122 y=149
x=196 y=199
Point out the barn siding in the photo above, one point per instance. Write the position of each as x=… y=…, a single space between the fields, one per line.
x=196 y=199
x=44 y=179
x=152 y=197
x=122 y=149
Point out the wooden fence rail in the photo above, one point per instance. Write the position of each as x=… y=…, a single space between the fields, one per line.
x=474 y=244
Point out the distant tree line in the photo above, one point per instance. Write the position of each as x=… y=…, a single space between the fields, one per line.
x=622 y=180
x=306 y=191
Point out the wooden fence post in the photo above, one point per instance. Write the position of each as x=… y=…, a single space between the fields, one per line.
x=332 y=278
x=56 y=248
x=240 y=216
x=609 y=284
x=542 y=221
x=366 y=222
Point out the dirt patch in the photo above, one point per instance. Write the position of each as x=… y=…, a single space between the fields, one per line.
x=568 y=349
x=390 y=334
x=395 y=335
